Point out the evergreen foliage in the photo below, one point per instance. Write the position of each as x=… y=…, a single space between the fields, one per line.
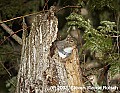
x=101 y=4
x=98 y=40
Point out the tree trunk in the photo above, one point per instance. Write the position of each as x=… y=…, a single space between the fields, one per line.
x=41 y=73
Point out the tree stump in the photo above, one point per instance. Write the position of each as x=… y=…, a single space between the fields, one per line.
x=72 y=66
x=41 y=73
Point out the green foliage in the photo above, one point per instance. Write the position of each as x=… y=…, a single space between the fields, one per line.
x=100 y=4
x=95 y=40
x=11 y=84
x=98 y=40
x=114 y=60
x=108 y=28
x=78 y=20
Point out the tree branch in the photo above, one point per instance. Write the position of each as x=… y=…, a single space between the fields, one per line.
x=14 y=36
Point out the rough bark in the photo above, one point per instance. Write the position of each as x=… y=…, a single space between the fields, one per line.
x=72 y=66
x=41 y=73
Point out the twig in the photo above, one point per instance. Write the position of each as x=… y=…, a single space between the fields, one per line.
x=5 y=69
x=68 y=7
x=12 y=83
x=11 y=32
x=14 y=52
x=45 y=5
x=89 y=82
x=10 y=36
x=113 y=36
x=22 y=16
x=38 y=13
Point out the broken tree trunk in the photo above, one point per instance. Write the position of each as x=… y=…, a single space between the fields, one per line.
x=72 y=66
x=41 y=73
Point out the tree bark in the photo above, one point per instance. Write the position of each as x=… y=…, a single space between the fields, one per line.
x=41 y=73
